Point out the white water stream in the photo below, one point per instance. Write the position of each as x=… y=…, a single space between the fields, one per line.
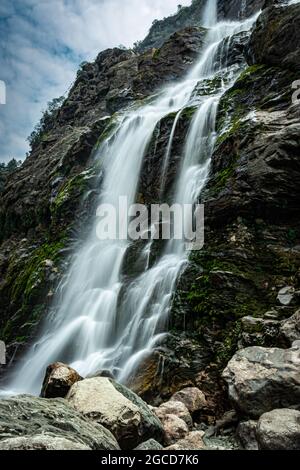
x=95 y=327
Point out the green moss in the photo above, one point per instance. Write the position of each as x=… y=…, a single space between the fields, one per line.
x=156 y=54
x=252 y=70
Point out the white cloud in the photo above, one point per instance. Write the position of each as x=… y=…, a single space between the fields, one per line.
x=42 y=42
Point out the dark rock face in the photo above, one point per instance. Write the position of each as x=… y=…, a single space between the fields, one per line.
x=191 y=16
x=276 y=38
x=31 y=420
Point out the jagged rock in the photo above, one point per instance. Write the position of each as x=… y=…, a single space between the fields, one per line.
x=41 y=442
x=276 y=38
x=174 y=428
x=117 y=408
x=24 y=418
x=58 y=380
x=261 y=379
x=192 y=398
x=279 y=430
x=290 y=328
x=176 y=408
x=151 y=444
x=193 y=441
x=246 y=434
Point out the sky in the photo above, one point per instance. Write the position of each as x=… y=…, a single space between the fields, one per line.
x=42 y=42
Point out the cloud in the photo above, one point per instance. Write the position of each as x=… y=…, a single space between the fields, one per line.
x=42 y=43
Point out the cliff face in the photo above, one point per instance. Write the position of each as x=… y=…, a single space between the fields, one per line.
x=191 y=16
x=252 y=228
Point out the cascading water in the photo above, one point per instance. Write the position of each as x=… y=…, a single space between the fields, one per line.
x=96 y=325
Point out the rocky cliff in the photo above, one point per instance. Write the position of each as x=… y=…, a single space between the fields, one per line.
x=238 y=290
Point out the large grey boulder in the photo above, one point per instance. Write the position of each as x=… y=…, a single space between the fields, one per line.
x=41 y=442
x=117 y=408
x=261 y=379
x=58 y=380
x=30 y=422
x=279 y=430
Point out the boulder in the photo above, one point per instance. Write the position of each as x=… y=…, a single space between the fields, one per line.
x=193 y=441
x=25 y=421
x=174 y=429
x=192 y=398
x=117 y=408
x=279 y=430
x=290 y=328
x=287 y=296
x=261 y=379
x=151 y=444
x=176 y=408
x=41 y=442
x=58 y=380
x=246 y=434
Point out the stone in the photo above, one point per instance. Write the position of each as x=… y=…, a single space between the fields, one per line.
x=193 y=441
x=41 y=442
x=246 y=434
x=192 y=398
x=279 y=430
x=117 y=408
x=151 y=444
x=23 y=419
x=176 y=408
x=174 y=429
x=58 y=380
x=261 y=379
x=290 y=328
x=286 y=295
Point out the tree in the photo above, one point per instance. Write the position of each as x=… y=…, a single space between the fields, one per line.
x=46 y=122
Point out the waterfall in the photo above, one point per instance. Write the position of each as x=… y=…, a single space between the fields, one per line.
x=210 y=14
x=101 y=322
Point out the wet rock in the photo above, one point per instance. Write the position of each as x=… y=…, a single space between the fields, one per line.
x=58 y=380
x=193 y=441
x=290 y=328
x=41 y=442
x=246 y=434
x=279 y=430
x=192 y=398
x=261 y=379
x=151 y=444
x=176 y=408
x=117 y=408
x=26 y=421
x=276 y=37
x=174 y=428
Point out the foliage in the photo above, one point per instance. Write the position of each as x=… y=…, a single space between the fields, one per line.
x=6 y=169
x=46 y=122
